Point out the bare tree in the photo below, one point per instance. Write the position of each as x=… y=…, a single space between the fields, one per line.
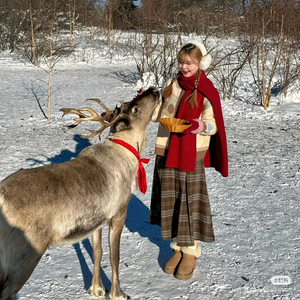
x=271 y=49
x=55 y=49
x=56 y=53
x=228 y=64
x=72 y=12
x=33 y=42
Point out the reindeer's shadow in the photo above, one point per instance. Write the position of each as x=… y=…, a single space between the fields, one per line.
x=65 y=155
x=86 y=272
x=136 y=221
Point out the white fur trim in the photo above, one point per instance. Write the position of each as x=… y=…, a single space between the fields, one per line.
x=206 y=59
x=174 y=246
x=191 y=251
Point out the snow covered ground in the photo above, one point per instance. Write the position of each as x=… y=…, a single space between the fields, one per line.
x=255 y=209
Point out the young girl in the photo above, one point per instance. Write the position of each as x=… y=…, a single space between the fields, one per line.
x=179 y=202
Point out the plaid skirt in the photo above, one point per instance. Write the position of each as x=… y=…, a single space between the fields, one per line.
x=180 y=204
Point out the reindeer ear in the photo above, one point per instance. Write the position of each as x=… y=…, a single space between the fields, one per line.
x=121 y=125
x=110 y=117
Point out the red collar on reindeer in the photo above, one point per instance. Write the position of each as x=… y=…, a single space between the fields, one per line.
x=141 y=171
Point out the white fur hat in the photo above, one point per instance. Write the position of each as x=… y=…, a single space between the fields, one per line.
x=206 y=59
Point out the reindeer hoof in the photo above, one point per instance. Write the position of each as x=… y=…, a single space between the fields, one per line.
x=98 y=292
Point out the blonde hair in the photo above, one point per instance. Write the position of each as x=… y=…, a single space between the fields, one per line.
x=192 y=51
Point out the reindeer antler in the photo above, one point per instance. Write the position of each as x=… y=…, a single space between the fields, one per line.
x=93 y=117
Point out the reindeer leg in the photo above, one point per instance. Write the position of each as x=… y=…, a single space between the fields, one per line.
x=115 y=230
x=97 y=288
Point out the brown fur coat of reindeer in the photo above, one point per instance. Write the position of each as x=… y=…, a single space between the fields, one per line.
x=64 y=203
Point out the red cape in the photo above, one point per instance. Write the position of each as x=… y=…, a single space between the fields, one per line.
x=217 y=155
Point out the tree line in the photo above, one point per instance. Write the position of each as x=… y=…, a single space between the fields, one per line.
x=203 y=17
x=265 y=32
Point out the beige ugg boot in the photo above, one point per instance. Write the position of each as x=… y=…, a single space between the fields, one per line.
x=173 y=262
x=187 y=264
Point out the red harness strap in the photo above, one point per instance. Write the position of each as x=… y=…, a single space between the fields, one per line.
x=141 y=171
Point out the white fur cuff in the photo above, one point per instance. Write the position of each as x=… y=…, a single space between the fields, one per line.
x=195 y=252
x=174 y=246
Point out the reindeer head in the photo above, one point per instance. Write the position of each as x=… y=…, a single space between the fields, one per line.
x=137 y=112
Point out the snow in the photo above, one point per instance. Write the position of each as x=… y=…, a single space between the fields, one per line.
x=255 y=210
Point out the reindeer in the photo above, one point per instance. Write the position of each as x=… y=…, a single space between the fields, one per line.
x=65 y=203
